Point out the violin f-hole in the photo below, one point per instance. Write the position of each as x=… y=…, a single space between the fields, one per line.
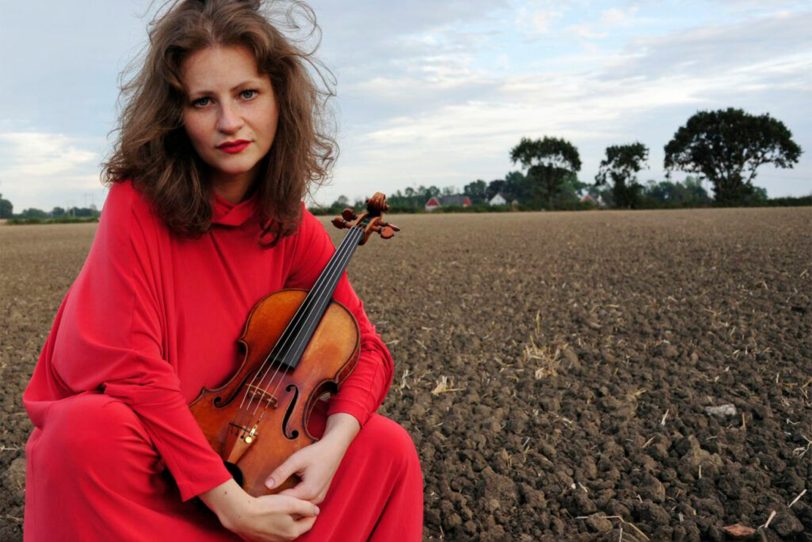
x=291 y=434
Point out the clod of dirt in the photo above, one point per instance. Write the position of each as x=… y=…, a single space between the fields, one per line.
x=651 y=488
x=696 y=457
x=721 y=411
x=786 y=524
x=15 y=476
x=738 y=531
x=598 y=523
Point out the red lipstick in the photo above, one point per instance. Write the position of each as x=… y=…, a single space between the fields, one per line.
x=234 y=147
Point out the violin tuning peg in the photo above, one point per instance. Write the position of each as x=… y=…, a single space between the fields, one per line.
x=386 y=224
x=340 y=223
x=387 y=232
x=348 y=214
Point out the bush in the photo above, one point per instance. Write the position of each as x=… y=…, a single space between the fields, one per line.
x=61 y=220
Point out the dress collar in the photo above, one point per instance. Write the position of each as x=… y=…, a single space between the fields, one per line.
x=226 y=213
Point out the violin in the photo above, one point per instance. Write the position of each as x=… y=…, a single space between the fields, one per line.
x=299 y=346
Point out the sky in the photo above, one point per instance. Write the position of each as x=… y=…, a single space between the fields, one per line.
x=428 y=92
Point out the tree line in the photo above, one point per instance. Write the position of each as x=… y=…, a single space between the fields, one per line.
x=56 y=214
x=724 y=147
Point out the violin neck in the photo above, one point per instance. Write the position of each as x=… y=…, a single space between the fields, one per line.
x=325 y=285
x=291 y=345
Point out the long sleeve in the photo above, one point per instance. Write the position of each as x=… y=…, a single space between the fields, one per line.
x=366 y=387
x=109 y=338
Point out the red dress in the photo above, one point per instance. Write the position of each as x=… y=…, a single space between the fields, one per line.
x=150 y=320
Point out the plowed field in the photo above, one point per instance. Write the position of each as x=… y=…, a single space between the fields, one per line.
x=559 y=372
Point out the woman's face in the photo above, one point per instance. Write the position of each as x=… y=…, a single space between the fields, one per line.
x=230 y=114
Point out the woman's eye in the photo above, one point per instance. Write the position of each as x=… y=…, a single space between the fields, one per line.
x=247 y=94
x=201 y=102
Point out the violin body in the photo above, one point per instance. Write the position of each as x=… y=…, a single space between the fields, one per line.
x=261 y=416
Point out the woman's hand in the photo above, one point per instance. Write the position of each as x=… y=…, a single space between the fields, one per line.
x=317 y=464
x=270 y=518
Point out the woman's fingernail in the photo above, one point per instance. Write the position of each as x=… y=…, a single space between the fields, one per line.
x=317 y=510
x=270 y=482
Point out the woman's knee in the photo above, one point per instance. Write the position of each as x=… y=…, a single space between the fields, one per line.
x=389 y=439
x=93 y=431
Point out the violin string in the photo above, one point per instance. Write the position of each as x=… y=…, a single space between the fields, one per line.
x=291 y=332
x=331 y=276
x=287 y=333
x=312 y=317
x=285 y=336
x=279 y=347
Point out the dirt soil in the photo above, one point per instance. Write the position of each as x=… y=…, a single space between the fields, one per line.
x=554 y=369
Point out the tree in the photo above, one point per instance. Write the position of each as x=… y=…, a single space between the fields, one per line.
x=689 y=193
x=496 y=186
x=549 y=162
x=83 y=212
x=518 y=187
x=621 y=165
x=34 y=213
x=6 y=208
x=426 y=194
x=727 y=147
x=476 y=191
x=570 y=192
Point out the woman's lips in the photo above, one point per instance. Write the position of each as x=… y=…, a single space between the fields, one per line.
x=233 y=147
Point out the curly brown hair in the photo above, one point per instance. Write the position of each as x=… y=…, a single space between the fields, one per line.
x=154 y=151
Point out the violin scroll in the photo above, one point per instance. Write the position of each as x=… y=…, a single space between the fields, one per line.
x=370 y=221
x=377 y=204
x=386 y=230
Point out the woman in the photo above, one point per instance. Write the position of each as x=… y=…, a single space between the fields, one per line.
x=218 y=144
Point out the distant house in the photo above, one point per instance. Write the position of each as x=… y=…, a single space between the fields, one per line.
x=588 y=198
x=448 y=201
x=498 y=199
x=455 y=201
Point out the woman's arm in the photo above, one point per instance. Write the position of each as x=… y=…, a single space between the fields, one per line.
x=268 y=518
x=293 y=511
x=110 y=339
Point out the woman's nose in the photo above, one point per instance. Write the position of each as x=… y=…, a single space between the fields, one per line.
x=229 y=120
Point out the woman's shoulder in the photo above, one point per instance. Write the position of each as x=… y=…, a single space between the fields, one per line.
x=310 y=229
x=309 y=220
x=126 y=199
x=309 y=233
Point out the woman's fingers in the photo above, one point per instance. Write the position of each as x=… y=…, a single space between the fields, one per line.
x=284 y=471
x=303 y=490
x=303 y=525
x=294 y=506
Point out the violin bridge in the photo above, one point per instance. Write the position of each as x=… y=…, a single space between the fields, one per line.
x=241 y=439
x=250 y=436
x=262 y=395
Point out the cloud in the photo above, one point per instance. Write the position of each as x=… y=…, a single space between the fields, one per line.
x=709 y=49
x=45 y=170
x=609 y=21
x=460 y=127
x=435 y=91
x=618 y=16
x=537 y=22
